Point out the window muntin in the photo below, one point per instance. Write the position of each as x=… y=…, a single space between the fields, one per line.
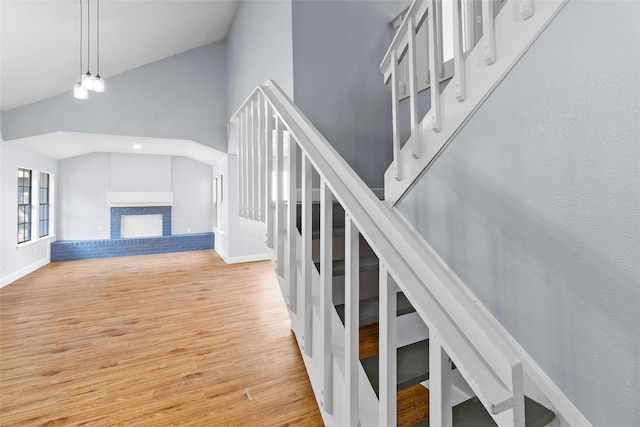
x=24 y=205
x=44 y=207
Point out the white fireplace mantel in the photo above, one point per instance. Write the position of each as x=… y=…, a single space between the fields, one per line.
x=140 y=198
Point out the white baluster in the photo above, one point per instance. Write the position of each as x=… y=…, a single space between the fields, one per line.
x=413 y=88
x=247 y=164
x=352 y=318
x=397 y=162
x=435 y=40
x=251 y=168
x=439 y=384
x=260 y=166
x=488 y=32
x=268 y=177
x=292 y=230
x=279 y=219
x=240 y=148
x=307 y=261
x=326 y=293
x=388 y=353
x=440 y=45
x=458 y=52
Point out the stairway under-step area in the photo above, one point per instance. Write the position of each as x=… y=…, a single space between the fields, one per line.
x=412 y=339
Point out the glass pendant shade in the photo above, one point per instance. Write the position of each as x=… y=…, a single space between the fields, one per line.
x=98 y=84
x=79 y=91
x=87 y=81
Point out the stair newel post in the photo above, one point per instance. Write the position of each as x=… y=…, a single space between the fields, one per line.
x=326 y=293
x=352 y=317
x=292 y=230
x=240 y=148
x=440 y=409
x=268 y=177
x=488 y=32
x=458 y=52
x=413 y=88
x=279 y=196
x=397 y=162
x=251 y=166
x=435 y=40
x=307 y=261
x=388 y=352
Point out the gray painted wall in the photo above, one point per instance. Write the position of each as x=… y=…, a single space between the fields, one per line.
x=83 y=210
x=15 y=259
x=139 y=172
x=337 y=50
x=181 y=97
x=259 y=47
x=191 y=183
x=536 y=206
x=84 y=181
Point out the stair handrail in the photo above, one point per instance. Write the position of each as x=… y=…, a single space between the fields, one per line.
x=485 y=358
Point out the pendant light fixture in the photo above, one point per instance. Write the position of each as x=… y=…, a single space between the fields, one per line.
x=98 y=82
x=87 y=81
x=79 y=90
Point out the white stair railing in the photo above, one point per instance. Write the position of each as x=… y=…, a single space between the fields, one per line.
x=477 y=71
x=268 y=122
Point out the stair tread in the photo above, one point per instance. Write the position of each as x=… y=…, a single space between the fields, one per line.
x=413 y=365
x=367 y=263
x=471 y=413
x=370 y=308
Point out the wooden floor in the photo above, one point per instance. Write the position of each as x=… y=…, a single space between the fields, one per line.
x=175 y=339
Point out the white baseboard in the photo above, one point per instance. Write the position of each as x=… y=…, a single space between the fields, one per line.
x=243 y=258
x=24 y=271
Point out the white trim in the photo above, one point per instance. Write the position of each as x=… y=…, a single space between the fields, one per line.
x=24 y=271
x=243 y=258
x=140 y=198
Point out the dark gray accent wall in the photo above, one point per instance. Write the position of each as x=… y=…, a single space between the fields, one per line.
x=536 y=206
x=180 y=97
x=337 y=50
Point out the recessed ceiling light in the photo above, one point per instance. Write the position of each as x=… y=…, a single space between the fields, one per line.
x=137 y=146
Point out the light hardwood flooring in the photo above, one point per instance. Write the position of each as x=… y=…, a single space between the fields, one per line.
x=174 y=339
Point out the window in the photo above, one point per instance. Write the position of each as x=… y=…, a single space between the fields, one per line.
x=24 y=205
x=43 y=213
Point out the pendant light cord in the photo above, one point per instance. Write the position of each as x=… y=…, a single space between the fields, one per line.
x=88 y=36
x=80 y=38
x=98 y=39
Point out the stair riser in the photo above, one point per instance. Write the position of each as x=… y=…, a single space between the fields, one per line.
x=338 y=248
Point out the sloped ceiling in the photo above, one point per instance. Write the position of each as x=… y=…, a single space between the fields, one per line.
x=40 y=40
x=40 y=57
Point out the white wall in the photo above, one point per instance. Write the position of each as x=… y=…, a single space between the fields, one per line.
x=15 y=261
x=83 y=210
x=191 y=183
x=536 y=206
x=85 y=181
x=140 y=172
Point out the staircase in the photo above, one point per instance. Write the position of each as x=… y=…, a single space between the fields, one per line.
x=379 y=317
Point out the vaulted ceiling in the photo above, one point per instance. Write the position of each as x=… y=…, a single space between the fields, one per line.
x=40 y=39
